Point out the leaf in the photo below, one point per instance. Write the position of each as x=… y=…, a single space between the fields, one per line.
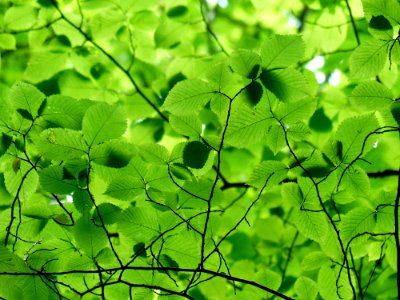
x=327 y=277
x=137 y=223
x=113 y=154
x=248 y=126
x=306 y=288
x=357 y=221
x=67 y=112
x=180 y=171
x=245 y=63
x=368 y=59
x=253 y=93
x=21 y=179
x=52 y=180
x=26 y=98
x=7 y=41
x=177 y=11
x=273 y=171
x=287 y=84
x=20 y=17
x=125 y=188
x=188 y=97
x=188 y=125
x=388 y=8
x=109 y=213
x=34 y=288
x=25 y=114
x=371 y=96
x=302 y=110
x=90 y=238
x=44 y=65
x=61 y=144
x=195 y=154
x=320 y=122
x=280 y=51
x=352 y=133
x=103 y=122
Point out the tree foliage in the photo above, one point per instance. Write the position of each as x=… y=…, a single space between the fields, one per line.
x=192 y=149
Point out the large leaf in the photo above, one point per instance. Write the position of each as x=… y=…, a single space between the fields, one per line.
x=368 y=59
x=287 y=84
x=248 y=125
x=352 y=133
x=26 y=97
x=188 y=97
x=371 y=95
x=61 y=144
x=103 y=122
x=357 y=221
x=281 y=51
x=67 y=112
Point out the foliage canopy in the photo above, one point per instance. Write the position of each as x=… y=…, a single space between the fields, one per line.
x=199 y=149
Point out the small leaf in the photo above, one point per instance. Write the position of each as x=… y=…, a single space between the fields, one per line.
x=320 y=122
x=180 y=171
x=103 y=122
x=281 y=51
x=195 y=154
x=177 y=11
x=253 y=93
x=188 y=97
x=16 y=165
x=25 y=114
x=125 y=188
x=140 y=249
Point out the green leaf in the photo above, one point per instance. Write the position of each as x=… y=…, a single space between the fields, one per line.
x=20 y=17
x=287 y=84
x=280 y=51
x=177 y=11
x=52 y=180
x=273 y=171
x=23 y=181
x=61 y=144
x=387 y=8
x=253 y=93
x=125 y=188
x=368 y=59
x=245 y=63
x=327 y=283
x=27 y=98
x=103 y=122
x=44 y=65
x=352 y=133
x=306 y=288
x=180 y=171
x=395 y=110
x=188 y=125
x=357 y=221
x=320 y=122
x=296 y=111
x=62 y=111
x=114 y=153
x=380 y=28
x=7 y=41
x=137 y=223
x=25 y=114
x=371 y=96
x=90 y=237
x=248 y=126
x=188 y=97
x=109 y=213
x=195 y=154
